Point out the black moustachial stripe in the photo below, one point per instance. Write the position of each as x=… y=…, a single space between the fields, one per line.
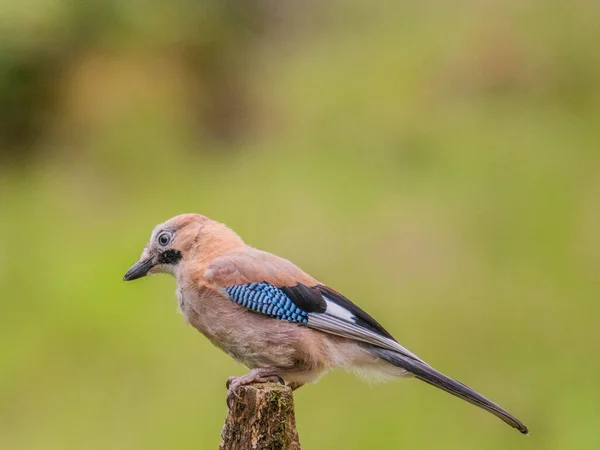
x=170 y=257
x=361 y=318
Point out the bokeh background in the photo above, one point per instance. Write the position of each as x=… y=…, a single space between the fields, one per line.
x=437 y=162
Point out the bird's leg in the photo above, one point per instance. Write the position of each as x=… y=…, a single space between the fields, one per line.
x=254 y=376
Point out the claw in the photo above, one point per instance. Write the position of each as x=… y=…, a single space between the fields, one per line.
x=229 y=400
x=275 y=379
x=255 y=376
x=231 y=395
x=229 y=381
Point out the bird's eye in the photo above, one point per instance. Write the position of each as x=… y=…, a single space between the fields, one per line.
x=164 y=239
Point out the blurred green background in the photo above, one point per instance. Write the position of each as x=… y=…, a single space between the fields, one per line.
x=437 y=162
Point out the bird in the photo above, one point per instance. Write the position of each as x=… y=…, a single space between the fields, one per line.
x=274 y=318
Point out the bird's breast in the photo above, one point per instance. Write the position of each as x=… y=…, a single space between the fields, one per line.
x=181 y=302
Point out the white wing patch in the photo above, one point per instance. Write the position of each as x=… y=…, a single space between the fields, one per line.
x=338 y=320
x=337 y=311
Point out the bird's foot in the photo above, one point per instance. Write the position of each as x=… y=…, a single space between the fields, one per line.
x=254 y=376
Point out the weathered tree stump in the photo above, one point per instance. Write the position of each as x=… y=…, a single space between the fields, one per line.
x=261 y=418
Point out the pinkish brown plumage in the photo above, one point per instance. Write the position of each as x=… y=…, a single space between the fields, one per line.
x=268 y=314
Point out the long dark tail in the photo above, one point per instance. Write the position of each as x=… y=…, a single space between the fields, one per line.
x=431 y=376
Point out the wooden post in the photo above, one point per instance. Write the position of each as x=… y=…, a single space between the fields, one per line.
x=261 y=418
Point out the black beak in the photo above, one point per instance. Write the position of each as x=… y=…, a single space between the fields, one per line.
x=139 y=269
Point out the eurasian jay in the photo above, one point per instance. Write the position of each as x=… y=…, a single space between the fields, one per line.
x=277 y=320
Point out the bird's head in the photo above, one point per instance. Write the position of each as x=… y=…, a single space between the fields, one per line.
x=181 y=238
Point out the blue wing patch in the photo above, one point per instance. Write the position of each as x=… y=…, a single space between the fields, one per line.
x=267 y=299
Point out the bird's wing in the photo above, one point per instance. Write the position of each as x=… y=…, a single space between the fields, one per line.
x=270 y=285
